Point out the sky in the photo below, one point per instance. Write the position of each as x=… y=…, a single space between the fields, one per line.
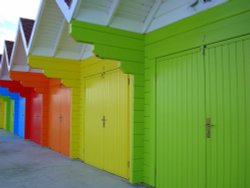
x=10 y=11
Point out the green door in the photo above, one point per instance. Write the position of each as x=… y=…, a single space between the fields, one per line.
x=180 y=121
x=192 y=88
x=228 y=106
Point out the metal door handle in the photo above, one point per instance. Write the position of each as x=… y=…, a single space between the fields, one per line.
x=208 y=126
x=60 y=118
x=103 y=121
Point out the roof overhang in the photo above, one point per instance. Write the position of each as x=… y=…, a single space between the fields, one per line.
x=6 y=56
x=141 y=16
x=50 y=37
x=19 y=60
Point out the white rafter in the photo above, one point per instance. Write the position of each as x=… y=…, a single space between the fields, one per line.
x=58 y=38
x=112 y=11
x=151 y=15
x=82 y=51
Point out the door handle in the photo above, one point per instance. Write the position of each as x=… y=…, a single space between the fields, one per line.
x=60 y=118
x=208 y=126
x=103 y=121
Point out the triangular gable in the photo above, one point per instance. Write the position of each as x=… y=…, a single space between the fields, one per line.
x=4 y=66
x=27 y=27
x=9 y=47
x=19 y=60
x=51 y=38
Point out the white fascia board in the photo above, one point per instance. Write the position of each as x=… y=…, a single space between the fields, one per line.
x=4 y=68
x=14 y=50
x=7 y=60
x=35 y=27
x=21 y=36
x=68 y=12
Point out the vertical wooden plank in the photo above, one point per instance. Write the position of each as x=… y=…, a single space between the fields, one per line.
x=180 y=112
x=246 y=133
x=241 y=83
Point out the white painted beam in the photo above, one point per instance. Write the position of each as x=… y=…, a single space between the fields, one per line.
x=58 y=38
x=151 y=15
x=82 y=51
x=86 y=51
x=112 y=11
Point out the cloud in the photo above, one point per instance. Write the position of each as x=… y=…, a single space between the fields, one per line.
x=10 y=11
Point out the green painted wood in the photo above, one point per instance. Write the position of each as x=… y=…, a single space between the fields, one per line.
x=209 y=17
x=223 y=22
x=190 y=32
x=9 y=114
x=107 y=36
x=228 y=106
x=180 y=119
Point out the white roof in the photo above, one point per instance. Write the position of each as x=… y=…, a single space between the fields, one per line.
x=4 y=65
x=139 y=16
x=19 y=57
x=51 y=37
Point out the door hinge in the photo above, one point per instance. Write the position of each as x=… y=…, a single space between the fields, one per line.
x=203 y=50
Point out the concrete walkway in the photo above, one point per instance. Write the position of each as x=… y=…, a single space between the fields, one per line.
x=24 y=164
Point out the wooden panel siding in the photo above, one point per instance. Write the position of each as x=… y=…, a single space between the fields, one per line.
x=127 y=48
x=223 y=22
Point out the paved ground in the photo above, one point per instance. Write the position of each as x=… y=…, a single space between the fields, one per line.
x=24 y=164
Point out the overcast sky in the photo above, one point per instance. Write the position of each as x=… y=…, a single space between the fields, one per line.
x=10 y=11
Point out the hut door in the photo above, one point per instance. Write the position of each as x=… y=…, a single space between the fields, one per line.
x=21 y=128
x=64 y=118
x=228 y=106
x=36 y=122
x=107 y=122
x=59 y=129
x=180 y=121
x=2 y=113
x=12 y=115
x=203 y=108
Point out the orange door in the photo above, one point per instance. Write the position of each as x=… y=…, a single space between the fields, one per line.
x=65 y=109
x=59 y=129
x=54 y=121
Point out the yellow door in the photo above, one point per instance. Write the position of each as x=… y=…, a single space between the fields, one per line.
x=2 y=114
x=93 y=126
x=107 y=122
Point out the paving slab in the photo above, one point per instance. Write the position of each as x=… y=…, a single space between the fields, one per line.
x=24 y=164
